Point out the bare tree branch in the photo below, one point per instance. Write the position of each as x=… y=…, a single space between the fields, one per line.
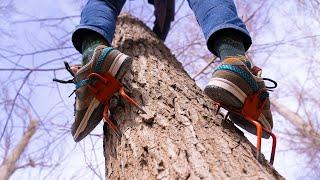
x=9 y=164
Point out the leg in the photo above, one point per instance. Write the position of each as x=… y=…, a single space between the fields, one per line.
x=98 y=20
x=164 y=14
x=228 y=38
x=221 y=26
x=92 y=38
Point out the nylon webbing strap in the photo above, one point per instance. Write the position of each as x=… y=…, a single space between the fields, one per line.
x=252 y=83
x=102 y=58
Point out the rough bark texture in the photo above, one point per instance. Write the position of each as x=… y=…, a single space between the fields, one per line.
x=180 y=138
x=9 y=163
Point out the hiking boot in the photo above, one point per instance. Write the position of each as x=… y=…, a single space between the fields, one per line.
x=89 y=110
x=230 y=85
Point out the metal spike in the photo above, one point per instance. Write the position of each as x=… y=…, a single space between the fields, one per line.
x=131 y=101
x=218 y=109
x=226 y=116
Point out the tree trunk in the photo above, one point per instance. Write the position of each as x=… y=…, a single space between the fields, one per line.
x=180 y=137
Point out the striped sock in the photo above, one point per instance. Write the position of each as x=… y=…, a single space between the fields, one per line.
x=89 y=44
x=228 y=44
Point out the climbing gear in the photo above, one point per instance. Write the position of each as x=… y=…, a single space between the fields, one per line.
x=251 y=110
x=103 y=88
x=237 y=87
x=230 y=85
x=96 y=83
x=164 y=13
x=265 y=117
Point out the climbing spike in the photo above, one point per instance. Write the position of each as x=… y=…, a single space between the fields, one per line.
x=218 y=109
x=259 y=133
x=109 y=122
x=131 y=101
x=112 y=126
x=251 y=110
x=226 y=116
x=274 y=144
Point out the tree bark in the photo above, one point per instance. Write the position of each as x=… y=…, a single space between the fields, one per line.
x=180 y=137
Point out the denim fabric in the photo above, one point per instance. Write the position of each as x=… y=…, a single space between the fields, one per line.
x=216 y=17
x=213 y=16
x=99 y=16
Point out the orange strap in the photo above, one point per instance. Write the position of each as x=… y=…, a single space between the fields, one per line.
x=103 y=86
x=251 y=110
x=253 y=106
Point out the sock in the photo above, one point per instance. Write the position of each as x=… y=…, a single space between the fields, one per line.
x=89 y=44
x=228 y=44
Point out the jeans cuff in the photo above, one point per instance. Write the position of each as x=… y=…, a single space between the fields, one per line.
x=215 y=32
x=82 y=30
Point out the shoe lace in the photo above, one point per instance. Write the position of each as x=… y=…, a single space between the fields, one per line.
x=255 y=70
x=68 y=68
x=270 y=88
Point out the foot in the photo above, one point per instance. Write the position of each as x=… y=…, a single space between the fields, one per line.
x=88 y=110
x=230 y=85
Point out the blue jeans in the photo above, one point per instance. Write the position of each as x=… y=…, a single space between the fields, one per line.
x=213 y=16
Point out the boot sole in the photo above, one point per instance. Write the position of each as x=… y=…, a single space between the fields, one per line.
x=225 y=92
x=241 y=122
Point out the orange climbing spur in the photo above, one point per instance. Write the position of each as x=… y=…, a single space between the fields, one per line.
x=103 y=87
x=250 y=111
x=96 y=82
